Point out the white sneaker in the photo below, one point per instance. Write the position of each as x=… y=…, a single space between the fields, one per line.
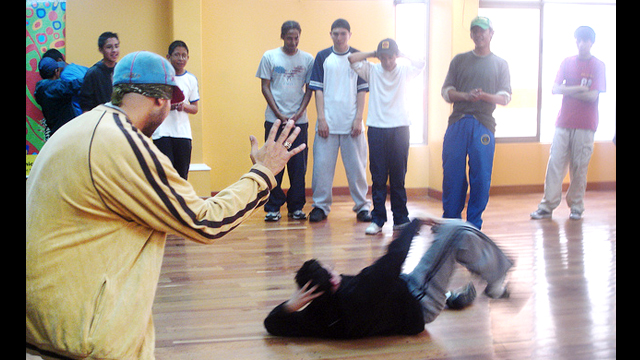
x=373 y=229
x=540 y=214
x=272 y=216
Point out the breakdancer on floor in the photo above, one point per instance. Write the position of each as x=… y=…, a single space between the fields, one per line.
x=381 y=300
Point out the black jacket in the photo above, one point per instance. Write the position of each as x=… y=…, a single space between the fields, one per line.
x=374 y=302
x=97 y=86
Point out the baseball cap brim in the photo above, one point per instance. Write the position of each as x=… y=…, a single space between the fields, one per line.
x=482 y=22
x=178 y=96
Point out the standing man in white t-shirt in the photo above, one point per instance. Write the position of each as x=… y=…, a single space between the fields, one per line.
x=285 y=73
x=388 y=134
x=340 y=96
x=173 y=136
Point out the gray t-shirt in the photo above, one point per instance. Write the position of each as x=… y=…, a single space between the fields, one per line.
x=469 y=71
x=288 y=75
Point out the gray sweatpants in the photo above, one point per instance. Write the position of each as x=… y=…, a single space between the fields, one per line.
x=354 y=158
x=454 y=241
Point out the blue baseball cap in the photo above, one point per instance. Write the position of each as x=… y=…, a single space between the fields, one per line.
x=144 y=67
x=48 y=66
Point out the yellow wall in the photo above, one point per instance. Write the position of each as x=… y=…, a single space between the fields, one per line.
x=226 y=41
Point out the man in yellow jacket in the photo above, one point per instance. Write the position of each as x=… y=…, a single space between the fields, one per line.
x=100 y=199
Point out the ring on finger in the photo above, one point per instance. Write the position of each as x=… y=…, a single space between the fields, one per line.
x=287 y=145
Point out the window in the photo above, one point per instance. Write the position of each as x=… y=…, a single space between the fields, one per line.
x=518 y=121
x=560 y=21
x=534 y=37
x=411 y=36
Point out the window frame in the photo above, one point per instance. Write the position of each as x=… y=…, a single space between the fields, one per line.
x=540 y=5
x=425 y=71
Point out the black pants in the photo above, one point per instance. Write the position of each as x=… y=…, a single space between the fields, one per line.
x=388 y=155
x=178 y=150
x=296 y=168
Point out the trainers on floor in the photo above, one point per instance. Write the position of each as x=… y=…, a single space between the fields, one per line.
x=316 y=215
x=363 y=216
x=540 y=214
x=373 y=229
x=298 y=215
x=272 y=216
x=500 y=292
x=462 y=297
x=575 y=215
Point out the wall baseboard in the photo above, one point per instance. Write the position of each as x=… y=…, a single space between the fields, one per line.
x=495 y=190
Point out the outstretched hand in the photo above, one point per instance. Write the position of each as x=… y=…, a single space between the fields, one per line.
x=274 y=154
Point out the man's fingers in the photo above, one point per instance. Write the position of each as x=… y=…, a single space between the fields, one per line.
x=313 y=296
x=287 y=134
x=297 y=150
x=254 y=148
x=274 y=130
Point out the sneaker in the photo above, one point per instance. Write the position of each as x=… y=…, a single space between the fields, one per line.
x=575 y=215
x=316 y=215
x=363 y=216
x=462 y=297
x=540 y=214
x=298 y=215
x=272 y=216
x=373 y=229
x=500 y=292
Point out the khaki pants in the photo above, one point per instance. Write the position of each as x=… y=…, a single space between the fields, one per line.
x=571 y=151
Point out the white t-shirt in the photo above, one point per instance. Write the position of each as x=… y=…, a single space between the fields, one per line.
x=340 y=86
x=177 y=124
x=288 y=75
x=387 y=92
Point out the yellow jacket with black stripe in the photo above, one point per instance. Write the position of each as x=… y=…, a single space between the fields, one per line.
x=100 y=199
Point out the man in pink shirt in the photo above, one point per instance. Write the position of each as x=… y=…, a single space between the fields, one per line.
x=580 y=79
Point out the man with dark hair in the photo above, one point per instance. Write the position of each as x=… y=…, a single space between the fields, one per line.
x=340 y=97
x=55 y=95
x=284 y=74
x=381 y=300
x=70 y=73
x=580 y=80
x=96 y=88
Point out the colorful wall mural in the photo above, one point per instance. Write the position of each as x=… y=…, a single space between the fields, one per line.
x=45 y=30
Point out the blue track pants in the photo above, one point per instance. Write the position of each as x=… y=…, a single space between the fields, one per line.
x=467 y=137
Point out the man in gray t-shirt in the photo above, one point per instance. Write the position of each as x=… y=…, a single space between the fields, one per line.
x=285 y=73
x=477 y=80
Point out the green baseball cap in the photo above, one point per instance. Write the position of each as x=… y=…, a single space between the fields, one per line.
x=481 y=21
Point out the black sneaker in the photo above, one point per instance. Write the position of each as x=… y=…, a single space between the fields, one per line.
x=363 y=216
x=317 y=215
x=502 y=293
x=462 y=297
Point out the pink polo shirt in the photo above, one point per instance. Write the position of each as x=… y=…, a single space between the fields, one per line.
x=574 y=113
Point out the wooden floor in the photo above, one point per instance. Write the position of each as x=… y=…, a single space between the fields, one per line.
x=211 y=300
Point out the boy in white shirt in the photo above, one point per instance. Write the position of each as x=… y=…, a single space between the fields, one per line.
x=173 y=136
x=340 y=96
x=388 y=134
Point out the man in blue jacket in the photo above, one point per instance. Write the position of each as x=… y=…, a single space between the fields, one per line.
x=381 y=300
x=55 y=95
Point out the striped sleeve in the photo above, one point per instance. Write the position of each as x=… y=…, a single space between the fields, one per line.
x=138 y=182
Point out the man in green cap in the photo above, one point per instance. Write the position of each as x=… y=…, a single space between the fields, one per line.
x=477 y=80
